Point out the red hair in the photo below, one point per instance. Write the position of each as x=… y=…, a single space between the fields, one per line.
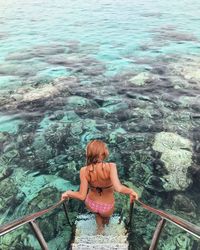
x=95 y=151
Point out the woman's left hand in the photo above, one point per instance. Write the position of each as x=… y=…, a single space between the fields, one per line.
x=133 y=196
x=65 y=195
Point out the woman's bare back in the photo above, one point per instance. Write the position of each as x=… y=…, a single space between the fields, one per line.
x=98 y=175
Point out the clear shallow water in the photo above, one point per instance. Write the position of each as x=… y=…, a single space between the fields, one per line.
x=118 y=70
x=114 y=32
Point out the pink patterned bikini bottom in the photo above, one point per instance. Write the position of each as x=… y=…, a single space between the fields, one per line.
x=98 y=207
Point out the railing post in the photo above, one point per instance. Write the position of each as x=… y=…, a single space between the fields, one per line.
x=157 y=234
x=130 y=215
x=38 y=235
x=66 y=214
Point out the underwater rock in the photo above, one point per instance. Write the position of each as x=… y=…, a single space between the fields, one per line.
x=35 y=97
x=159 y=167
x=57 y=137
x=142 y=79
x=19 y=56
x=94 y=70
x=18 y=239
x=8 y=157
x=48 y=141
x=52 y=225
x=177 y=157
x=154 y=183
x=183 y=203
x=113 y=105
x=141 y=233
x=60 y=59
x=5 y=139
x=179 y=121
x=57 y=115
x=6 y=173
x=57 y=163
x=70 y=172
x=190 y=101
x=123 y=116
x=17 y=70
x=187 y=70
x=164 y=35
x=113 y=136
x=70 y=116
x=32 y=184
x=8 y=195
x=43 y=92
x=78 y=101
x=89 y=124
x=191 y=74
x=177 y=241
x=50 y=49
x=10 y=123
x=138 y=97
x=91 y=135
x=46 y=198
x=39 y=142
x=91 y=113
x=139 y=162
x=76 y=129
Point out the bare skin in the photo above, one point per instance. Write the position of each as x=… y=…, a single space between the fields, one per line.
x=105 y=178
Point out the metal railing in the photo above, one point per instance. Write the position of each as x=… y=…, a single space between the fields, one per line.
x=177 y=221
x=183 y=224
x=30 y=219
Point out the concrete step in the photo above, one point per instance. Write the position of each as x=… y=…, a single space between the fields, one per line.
x=105 y=246
x=100 y=239
x=113 y=237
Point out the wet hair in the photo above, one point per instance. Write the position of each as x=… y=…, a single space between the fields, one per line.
x=96 y=149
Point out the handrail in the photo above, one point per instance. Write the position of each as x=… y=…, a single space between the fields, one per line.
x=23 y=220
x=185 y=225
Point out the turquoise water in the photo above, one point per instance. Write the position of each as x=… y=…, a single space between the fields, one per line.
x=114 y=32
x=123 y=71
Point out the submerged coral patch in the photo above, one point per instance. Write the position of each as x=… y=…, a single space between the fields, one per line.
x=74 y=71
x=167 y=33
x=177 y=157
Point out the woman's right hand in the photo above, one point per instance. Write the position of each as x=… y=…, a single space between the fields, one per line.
x=65 y=195
x=133 y=196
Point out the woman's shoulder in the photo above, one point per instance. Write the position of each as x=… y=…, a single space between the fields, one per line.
x=83 y=169
x=110 y=164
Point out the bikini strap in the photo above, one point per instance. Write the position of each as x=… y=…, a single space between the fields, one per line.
x=100 y=189
x=91 y=169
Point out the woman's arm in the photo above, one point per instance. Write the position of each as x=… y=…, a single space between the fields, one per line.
x=81 y=194
x=117 y=184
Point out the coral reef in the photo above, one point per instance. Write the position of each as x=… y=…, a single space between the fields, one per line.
x=148 y=114
x=177 y=157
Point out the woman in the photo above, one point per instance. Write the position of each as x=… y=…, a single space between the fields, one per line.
x=98 y=181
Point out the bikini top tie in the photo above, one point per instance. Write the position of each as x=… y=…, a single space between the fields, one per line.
x=100 y=189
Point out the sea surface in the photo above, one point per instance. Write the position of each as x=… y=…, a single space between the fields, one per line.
x=123 y=71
